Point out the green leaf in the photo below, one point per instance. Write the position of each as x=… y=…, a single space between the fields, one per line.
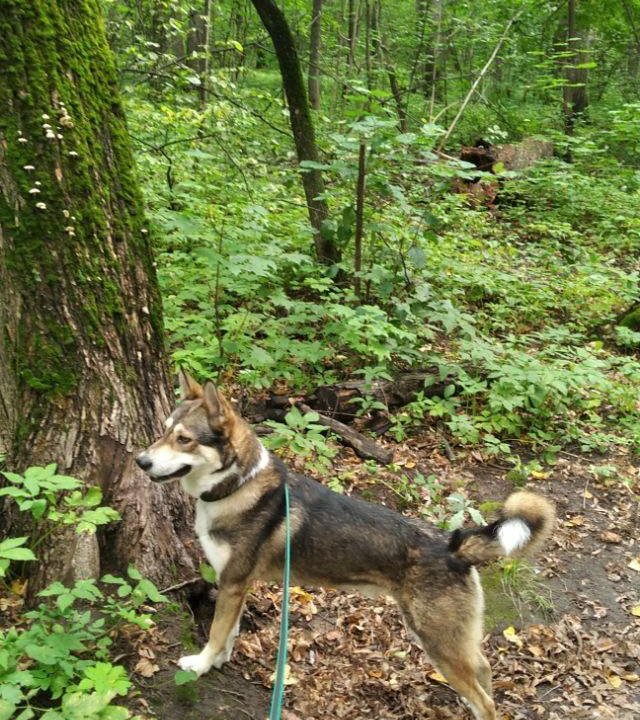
x=38 y=508
x=113 y=580
x=32 y=485
x=13 y=542
x=182 y=677
x=14 y=492
x=151 y=591
x=208 y=573
x=86 y=590
x=16 y=553
x=42 y=653
x=13 y=477
x=11 y=693
x=52 y=715
x=104 y=677
x=313 y=165
x=115 y=712
x=65 y=482
x=417 y=256
x=124 y=590
x=65 y=601
x=7 y=709
x=54 y=589
x=133 y=573
x=92 y=497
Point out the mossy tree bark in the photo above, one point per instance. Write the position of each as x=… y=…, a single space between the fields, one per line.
x=276 y=25
x=82 y=371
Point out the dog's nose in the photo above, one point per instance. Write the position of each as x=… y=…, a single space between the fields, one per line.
x=143 y=461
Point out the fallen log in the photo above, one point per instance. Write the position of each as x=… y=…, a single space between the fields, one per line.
x=364 y=447
x=512 y=156
x=335 y=405
x=340 y=401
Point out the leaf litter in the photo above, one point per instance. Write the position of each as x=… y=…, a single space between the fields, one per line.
x=350 y=658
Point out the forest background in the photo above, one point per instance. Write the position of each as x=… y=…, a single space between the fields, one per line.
x=420 y=218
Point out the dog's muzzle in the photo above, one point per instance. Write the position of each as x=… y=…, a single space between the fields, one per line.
x=146 y=464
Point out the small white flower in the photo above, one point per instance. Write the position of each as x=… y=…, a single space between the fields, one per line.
x=34 y=191
x=51 y=135
x=28 y=167
x=59 y=136
x=66 y=121
x=46 y=126
x=65 y=213
x=41 y=206
x=38 y=183
x=45 y=116
x=144 y=231
x=69 y=228
x=73 y=153
x=22 y=140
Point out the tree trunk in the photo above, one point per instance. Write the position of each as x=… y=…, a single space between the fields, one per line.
x=206 y=55
x=82 y=371
x=352 y=35
x=314 y=54
x=301 y=123
x=574 y=100
x=357 y=255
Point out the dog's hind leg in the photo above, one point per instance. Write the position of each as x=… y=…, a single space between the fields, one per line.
x=224 y=629
x=463 y=677
x=483 y=672
x=463 y=666
x=449 y=629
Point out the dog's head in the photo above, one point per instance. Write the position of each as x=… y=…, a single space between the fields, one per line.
x=198 y=437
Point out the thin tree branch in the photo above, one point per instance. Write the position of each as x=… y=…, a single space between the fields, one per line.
x=476 y=82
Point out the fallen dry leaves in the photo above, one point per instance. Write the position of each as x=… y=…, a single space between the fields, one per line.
x=349 y=657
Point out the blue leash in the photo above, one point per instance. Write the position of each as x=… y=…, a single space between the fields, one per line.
x=277 y=696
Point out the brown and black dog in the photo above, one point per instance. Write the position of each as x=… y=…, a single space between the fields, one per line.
x=337 y=541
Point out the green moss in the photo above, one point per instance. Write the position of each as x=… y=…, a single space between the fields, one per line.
x=77 y=261
x=500 y=609
x=489 y=507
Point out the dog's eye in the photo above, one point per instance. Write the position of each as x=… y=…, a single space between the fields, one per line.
x=183 y=439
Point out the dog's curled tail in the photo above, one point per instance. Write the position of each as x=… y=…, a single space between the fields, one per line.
x=526 y=521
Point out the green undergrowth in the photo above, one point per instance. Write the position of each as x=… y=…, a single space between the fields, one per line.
x=517 y=302
x=58 y=659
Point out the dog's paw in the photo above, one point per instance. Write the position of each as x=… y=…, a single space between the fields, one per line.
x=199 y=664
x=220 y=659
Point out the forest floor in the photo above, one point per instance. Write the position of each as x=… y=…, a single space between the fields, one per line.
x=563 y=635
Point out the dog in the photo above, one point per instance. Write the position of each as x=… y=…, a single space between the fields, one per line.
x=336 y=541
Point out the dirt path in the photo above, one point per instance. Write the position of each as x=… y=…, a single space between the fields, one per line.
x=563 y=643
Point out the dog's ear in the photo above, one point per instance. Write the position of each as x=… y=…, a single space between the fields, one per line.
x=190 y=389
x=217 y=406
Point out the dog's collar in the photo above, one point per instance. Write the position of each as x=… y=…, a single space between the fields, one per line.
x=220 y=490
x=233 y=481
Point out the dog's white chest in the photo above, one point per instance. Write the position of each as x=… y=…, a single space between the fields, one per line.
x=218 y=552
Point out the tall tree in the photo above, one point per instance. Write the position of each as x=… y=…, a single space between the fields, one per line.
x=574 y=91
x=82 y=370
x=315 y=40
x=276 y=25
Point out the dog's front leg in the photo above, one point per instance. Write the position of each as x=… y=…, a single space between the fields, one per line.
x=224 y=629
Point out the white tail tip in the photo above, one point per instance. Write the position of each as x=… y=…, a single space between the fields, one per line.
x=513 y=535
